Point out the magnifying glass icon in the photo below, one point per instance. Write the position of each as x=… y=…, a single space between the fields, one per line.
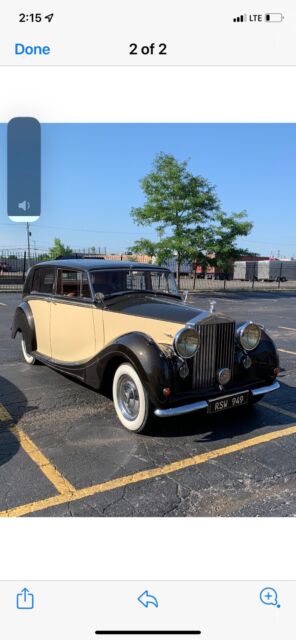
x=269 y=597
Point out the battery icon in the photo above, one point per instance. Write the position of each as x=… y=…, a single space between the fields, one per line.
x=274 y=17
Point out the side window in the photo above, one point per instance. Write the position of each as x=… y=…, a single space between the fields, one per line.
x=43 y=280
x=73 y=284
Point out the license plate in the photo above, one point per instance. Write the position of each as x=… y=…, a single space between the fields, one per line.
x=228 y=402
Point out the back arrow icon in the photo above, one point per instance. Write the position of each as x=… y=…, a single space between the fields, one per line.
x=147 y=598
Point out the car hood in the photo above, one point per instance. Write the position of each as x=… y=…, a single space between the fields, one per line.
x=158 y=308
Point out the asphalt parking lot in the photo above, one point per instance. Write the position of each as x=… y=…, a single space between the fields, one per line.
x=63 y=453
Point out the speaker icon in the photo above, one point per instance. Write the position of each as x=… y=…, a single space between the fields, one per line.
x=25 y=205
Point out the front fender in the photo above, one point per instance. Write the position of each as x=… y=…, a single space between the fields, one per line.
x=152 y=365
x=264 y=358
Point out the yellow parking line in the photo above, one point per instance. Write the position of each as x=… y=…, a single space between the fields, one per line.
x=52 y=474
x=3 y=304
x=4 y=415
x=140 y=476
x=293 y=353
x=288 y=328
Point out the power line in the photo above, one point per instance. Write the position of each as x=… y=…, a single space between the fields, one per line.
x=45 y=226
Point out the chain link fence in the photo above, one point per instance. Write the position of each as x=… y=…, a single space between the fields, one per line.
x=260 y=275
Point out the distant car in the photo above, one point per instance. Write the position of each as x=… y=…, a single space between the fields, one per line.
x=124 y=326
x=4 y=267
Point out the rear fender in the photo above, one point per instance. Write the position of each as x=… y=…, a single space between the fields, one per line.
x=23 y=322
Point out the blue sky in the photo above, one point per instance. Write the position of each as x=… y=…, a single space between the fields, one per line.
x=91 y=173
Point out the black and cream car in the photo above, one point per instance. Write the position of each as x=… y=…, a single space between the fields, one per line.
x=124 y=326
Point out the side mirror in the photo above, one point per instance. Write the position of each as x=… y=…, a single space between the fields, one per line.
x=99 y=296
x=185 y=295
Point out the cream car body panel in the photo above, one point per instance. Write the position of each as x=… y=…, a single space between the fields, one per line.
x=72 y=331
x=41 y=310
x=116 y=324
x=98 y=315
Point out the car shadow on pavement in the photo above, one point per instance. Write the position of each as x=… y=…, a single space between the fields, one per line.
x=15 y=403
x=229 y=424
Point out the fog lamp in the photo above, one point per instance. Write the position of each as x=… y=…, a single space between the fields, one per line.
x=184 y=370
x=247 y=362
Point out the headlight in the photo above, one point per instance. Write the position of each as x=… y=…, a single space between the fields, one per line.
x=186 y=343
x=249 y=336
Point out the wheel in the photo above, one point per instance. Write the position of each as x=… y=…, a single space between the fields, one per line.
x=130 y=399
x=29 y=359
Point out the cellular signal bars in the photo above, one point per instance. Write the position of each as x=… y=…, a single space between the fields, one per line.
x=241 y=18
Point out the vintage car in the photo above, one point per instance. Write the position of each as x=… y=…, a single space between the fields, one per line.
x=124 y=327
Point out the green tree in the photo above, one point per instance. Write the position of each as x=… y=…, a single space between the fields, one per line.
x=143 y=246
x=185 y=211
x=59 y=249
x=224 y=232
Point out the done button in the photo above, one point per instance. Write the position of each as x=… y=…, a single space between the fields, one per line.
x=31 y=50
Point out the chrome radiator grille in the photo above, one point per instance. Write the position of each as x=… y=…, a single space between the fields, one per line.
x=216 y=352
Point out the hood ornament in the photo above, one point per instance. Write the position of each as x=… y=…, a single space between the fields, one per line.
x=212 y=305
x=185 y=295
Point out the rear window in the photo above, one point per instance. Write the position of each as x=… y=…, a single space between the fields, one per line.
x=43 y=280
x=73 y=284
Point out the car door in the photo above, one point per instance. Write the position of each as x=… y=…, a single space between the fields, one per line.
x=39 y=300
x=72 y=323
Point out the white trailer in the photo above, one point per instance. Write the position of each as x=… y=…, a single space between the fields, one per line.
x=245 y=270
x=239 y=270
x=265 y=270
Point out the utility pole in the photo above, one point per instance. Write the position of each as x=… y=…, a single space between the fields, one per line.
x=28 y=239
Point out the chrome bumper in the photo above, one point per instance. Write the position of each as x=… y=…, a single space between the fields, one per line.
x=203 y=404
x=264 y=390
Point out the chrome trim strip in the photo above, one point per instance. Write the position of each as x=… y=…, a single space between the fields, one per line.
x=203 y=404
x=203 y=315
x=61 y=363
x=178 y=411
x=76 y=302
x=55 y=299
x=269 y=389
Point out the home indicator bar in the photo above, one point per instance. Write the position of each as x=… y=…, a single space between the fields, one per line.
x=161 y=632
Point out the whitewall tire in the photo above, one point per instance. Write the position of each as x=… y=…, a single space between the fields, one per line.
x=130 y=399
x=29 y=359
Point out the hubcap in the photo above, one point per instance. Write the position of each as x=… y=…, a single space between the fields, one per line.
x=128 y=397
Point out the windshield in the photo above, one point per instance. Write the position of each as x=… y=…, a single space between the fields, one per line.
x=114 y=281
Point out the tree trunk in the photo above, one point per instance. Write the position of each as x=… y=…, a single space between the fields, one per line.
x=178 y=270
x=195 y=267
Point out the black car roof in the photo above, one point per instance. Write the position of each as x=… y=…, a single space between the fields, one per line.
x=90 y=264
